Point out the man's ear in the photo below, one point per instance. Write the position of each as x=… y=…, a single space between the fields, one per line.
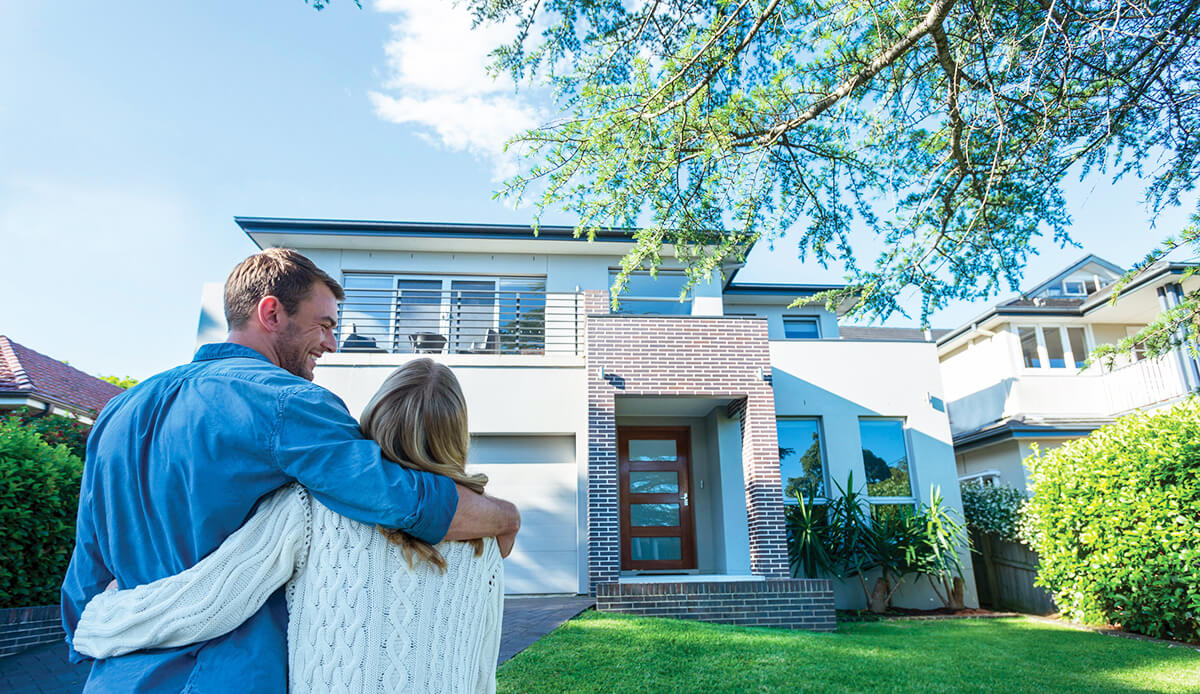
x=270 y=314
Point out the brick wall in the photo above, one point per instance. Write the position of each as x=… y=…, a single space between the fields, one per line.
x=787 y=603
x=724 y=358
x=22 y=628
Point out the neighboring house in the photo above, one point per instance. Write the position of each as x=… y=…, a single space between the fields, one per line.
x=649 y=449
x=1017 y=375
x=32 y=379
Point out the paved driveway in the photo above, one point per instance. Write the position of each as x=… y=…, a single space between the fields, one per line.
x=45 y=670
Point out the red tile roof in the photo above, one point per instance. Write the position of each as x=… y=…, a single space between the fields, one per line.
x=24 y=371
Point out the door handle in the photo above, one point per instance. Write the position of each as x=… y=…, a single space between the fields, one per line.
x=684 y=498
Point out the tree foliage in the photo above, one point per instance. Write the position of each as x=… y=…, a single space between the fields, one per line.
x=944 y=128
x=126 y=382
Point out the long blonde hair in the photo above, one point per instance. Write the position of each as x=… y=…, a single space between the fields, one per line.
x=419 y=419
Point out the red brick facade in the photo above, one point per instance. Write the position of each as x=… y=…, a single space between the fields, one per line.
x=722 y=358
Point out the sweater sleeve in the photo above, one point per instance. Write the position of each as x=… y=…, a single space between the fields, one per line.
x=213 y=597
x=493 y=619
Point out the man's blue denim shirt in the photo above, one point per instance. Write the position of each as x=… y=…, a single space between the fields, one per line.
x=178 y=463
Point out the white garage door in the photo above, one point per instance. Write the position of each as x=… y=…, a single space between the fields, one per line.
x=537 y=473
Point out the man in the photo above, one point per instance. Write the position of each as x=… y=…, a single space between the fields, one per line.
x=177 y=464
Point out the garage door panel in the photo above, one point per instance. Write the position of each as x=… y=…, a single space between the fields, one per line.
x=541 y=572
x=545 y=557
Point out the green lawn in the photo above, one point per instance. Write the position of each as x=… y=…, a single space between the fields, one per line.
x=614 y=653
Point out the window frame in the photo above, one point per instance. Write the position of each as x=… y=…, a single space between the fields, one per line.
x=815 y=320
x=820 y=426
x=905 y=438
x=1083 y=286
x=1070 y=359
x=627 y=297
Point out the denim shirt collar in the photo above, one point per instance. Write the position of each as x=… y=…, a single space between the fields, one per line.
x=226 y=350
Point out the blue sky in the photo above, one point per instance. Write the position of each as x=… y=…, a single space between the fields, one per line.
x=131 y=133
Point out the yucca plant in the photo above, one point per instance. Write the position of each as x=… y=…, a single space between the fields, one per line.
x=807 y=528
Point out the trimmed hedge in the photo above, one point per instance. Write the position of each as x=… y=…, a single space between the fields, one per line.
x=39 y=495
x=1115 y=519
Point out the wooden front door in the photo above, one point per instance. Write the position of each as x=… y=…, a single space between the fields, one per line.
x=657 y=525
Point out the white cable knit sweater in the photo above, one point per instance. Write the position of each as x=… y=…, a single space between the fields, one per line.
x=359 y=619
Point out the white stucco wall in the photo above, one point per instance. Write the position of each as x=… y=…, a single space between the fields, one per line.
x=841 y=381
x=1004 y=457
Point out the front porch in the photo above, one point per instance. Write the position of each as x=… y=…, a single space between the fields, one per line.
x=685 y=505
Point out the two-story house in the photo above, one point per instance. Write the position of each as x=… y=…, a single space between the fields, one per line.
x=649 y=448
x=1018 y=375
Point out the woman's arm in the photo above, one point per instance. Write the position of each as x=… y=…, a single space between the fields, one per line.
x=213 y=597
x=493 y=619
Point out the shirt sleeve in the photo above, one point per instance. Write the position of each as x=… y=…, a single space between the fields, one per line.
x=213 y=597
x=86 y=574
x=319 y=444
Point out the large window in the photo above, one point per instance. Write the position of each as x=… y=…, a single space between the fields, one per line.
x=801 y=458
x=443 y=314
x=654 y=295
x=1053 y=346
x=885 y=458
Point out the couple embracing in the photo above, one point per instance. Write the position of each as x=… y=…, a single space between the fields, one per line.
x=239 y=531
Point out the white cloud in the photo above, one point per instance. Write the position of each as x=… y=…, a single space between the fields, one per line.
x=438 y=81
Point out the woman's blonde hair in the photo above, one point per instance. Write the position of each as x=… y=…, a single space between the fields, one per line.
x=419 y=418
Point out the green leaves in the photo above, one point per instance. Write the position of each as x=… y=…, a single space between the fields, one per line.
x=840 y=538
x=1115 y=520
x=991 y=509
x=915 y=144
x=39 y=495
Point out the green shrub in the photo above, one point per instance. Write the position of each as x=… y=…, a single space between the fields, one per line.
x=39 y=494
x=991 y=509
x=1115 y=519
x=55 y=429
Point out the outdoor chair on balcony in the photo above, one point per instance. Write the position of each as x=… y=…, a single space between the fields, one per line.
x=359 y=343
x=489 y=345
x=427 y=343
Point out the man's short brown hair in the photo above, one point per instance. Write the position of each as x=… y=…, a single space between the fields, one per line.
x=278 y=272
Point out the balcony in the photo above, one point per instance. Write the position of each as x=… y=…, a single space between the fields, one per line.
x=1144 y=383
x=486 y=321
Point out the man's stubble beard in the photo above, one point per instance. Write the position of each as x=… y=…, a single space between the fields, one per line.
x=293 y=357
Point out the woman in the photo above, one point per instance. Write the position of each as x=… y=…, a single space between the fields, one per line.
x=369 y=609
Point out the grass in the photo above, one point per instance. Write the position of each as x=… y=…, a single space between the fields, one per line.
x=599 y=652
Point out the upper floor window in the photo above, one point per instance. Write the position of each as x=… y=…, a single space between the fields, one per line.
x=1075 y=287
x=443 y=314
x=801 y=327
x=1053 y=346
x=801 y=459
x=654 y=295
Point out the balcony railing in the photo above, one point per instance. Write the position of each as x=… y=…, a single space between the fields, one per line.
x=460 y=321
x=1144 y=383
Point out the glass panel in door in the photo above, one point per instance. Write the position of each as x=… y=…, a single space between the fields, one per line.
x=419 y=316
x=522 y=316
x=365 y=322
x=473 y=317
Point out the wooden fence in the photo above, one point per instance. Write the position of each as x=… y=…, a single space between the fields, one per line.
x=1004 y=573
